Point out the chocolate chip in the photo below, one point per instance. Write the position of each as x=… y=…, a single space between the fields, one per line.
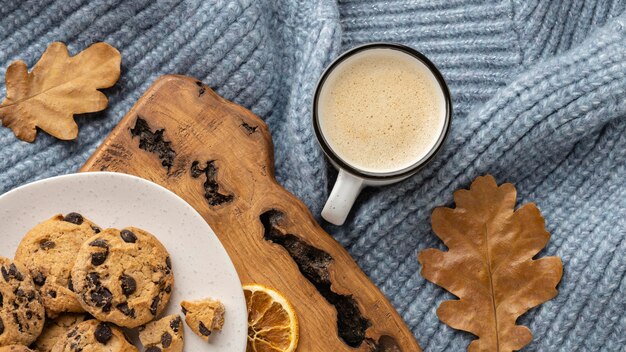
x=99 y=257
x=29 y=314
x=175 y=324
x=154 y=305
x=127 y=311
x=1 y=326
x=52 y=294
x=11 y=273
x=99 y=243
x=39 y=279
x=1 y=300
x=168 y=289
x=70 y=285
x=203 y=329
x=47 y=244
x=93 y=278
x=128 y=236
x=102 y=297
x=74 y=218
x=168 y=262
x=166 y=339
x=129 y=286
x=15 y=273
x=31 y=296
x=103 y=333
x=153 y=349
x=18 y=322
x=96 y=229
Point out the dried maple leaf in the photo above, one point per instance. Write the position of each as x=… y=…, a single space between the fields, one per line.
x=58 y=87
x=489 y=264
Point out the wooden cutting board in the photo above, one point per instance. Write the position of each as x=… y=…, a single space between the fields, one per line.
x=218 y=156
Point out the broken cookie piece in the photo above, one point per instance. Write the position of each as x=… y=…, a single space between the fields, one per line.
x=163 y=335
x=203 y=316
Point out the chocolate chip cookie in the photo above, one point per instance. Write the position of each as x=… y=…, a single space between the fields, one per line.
x=124 y=277
x=48 y=252
x=54 y=329
x=15 y=348
x=163 y=335
x=94 y=336
x=21 y=311
x=203 y=316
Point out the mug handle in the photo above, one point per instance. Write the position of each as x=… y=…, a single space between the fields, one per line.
x=342 y=197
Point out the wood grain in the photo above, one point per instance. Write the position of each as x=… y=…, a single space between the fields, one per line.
x=218 y=156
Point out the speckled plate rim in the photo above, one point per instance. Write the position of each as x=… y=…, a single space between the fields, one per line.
x=160 y=212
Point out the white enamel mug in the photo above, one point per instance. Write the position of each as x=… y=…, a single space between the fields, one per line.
x=351 y=180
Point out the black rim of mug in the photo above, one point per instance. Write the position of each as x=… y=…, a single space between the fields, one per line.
x=405 y=172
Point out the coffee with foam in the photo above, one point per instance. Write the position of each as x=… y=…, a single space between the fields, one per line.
x=381 y=110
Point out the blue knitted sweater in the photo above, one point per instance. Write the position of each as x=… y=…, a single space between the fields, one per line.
x=539 y=100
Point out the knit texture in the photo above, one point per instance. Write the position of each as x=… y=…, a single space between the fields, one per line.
x=539 y=100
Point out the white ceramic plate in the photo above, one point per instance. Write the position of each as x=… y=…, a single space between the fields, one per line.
x=201 y=266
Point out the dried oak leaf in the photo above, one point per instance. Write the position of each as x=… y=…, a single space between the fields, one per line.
x=58 y=87
x=489 y=265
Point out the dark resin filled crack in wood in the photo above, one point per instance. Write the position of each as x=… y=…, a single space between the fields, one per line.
x=211 y=187
x=249 y=129
x=202 y=88
x=154 y=142
x=314 y=265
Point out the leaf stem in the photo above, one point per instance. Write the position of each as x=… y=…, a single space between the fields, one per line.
x=493 y=295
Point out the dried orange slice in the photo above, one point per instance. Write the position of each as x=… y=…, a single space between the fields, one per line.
x=272 y=321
